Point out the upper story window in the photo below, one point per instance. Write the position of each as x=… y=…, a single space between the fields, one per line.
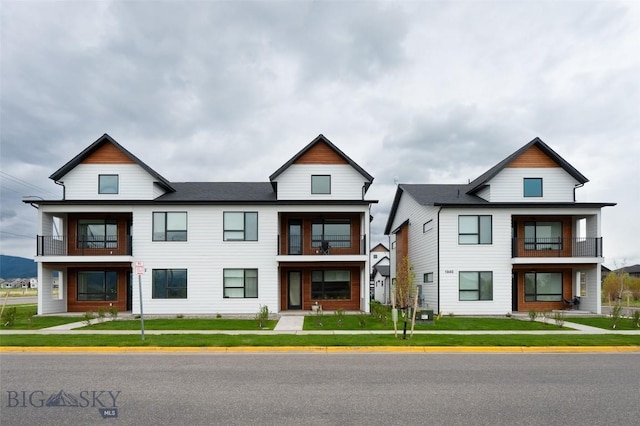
x=321 y=184
x=97 y=233
x=474 y=229
x=532 y=187
x=169 y=226
x=107 y=184
x=427 y=226
x=240 y=226
x=336 y=231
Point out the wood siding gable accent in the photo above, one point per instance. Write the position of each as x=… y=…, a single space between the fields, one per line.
x=321 y=153
x=533 y=157
x=108 y=153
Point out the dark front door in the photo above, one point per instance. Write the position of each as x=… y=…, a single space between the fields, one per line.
x=295 y=237
x=129 y=292
x=294 y=290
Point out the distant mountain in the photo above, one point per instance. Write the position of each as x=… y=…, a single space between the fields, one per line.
x=17 y=267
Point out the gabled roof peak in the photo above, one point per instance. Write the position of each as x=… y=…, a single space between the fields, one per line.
x=322 y=139
x=105 y=138
x=480 y=181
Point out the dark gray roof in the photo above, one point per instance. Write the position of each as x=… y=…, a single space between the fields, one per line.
x=455 y=196
x=57 y=175
x=633 y=269
x=479 y=182
x=227 y=192
x=321 y=138
x=434 y=194
x=383 y=269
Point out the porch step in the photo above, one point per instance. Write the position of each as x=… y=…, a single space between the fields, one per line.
x=290 y=323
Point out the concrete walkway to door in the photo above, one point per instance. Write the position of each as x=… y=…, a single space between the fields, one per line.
x=290 y=323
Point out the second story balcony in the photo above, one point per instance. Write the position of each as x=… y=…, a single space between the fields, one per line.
x=107 y=245
x=557 y=247
x=334 y=245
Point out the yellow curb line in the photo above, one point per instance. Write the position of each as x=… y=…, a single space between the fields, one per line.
x=318 y=349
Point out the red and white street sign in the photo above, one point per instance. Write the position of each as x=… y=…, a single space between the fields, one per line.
x=139 y=268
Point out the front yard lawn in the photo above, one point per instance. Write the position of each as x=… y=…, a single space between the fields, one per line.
x=353 y=322
x=182 y=324
x=605 y=322
x=26 y=319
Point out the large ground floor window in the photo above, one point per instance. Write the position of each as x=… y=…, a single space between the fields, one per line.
x=97 y=285
x=240 y=283
x=169 y=284
x=330 y=284
x=476 y=285
x=543 y=287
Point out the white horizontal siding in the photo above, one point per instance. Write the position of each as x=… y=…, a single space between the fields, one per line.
x=456 y=258
x=422 y=245
x=134 y=183
x=507 y=186
x=205 y=255
x=295 y=182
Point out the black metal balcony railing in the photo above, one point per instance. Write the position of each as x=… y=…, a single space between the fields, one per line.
x=341 y=244
x=103 y=246
x=557 y=247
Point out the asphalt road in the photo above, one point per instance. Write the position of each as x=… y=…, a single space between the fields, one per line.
x=20 y=300
x=347 y=389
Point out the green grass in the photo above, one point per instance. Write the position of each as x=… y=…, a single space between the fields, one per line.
x=18 y=292
x=604 y=322
x=351 y=322
x=220 y=340
x=25 y=319
x=182 y=324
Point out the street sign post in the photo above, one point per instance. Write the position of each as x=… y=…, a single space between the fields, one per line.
x=140 y=272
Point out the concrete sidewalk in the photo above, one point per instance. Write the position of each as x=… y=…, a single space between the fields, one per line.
x=293 y=324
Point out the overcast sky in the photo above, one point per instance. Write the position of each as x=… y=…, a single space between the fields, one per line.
x=414 y=92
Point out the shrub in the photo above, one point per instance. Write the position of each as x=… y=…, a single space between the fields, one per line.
x=102 y=313
x=362 y=319
x=636 y=319
x=533 y=315
x=88 y=317
x=559 y=318
x=616 y=315
x=318 y=317
x=9 y=317
x=339 y=313
x=262 y=316
x=113 y=312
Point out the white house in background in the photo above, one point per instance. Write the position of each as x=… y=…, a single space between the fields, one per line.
x=514 y=239
x=204 y=247
x=381 y=281
x=377 y=253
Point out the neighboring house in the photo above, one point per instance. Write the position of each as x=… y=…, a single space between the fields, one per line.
x=377 y=253
x=633 y=270
x=514 y=239
x=204 y=247
x=381 y=282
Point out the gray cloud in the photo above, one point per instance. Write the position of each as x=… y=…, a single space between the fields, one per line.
x=425 y=91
